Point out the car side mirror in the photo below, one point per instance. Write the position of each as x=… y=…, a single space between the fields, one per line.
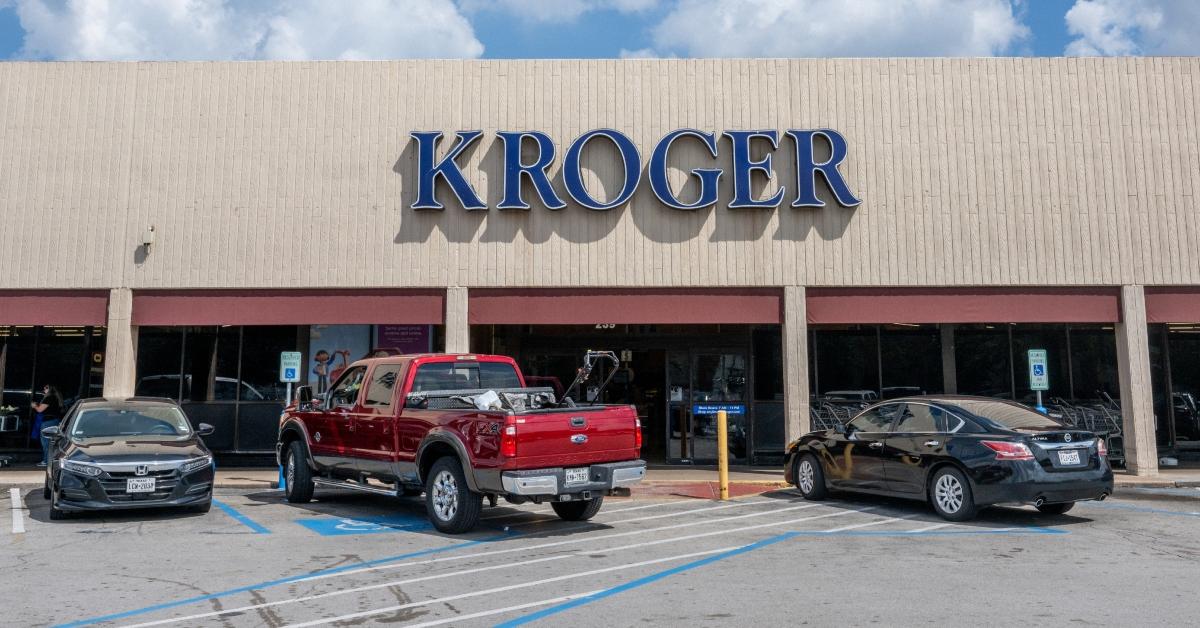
x=204 y=429
x=51 y=432
x=841 y=428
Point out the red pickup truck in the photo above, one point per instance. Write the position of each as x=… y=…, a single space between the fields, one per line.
x=458 y=428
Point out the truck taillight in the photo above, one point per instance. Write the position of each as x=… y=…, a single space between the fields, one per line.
x=1008 y=451
x=637 y=434
x=508 y=438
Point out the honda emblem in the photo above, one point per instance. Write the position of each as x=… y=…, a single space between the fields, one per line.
x=141 y=469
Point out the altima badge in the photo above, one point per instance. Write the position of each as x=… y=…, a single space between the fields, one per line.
x=1067 y=438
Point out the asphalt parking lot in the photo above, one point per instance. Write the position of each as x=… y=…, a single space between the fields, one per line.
x=351 y=559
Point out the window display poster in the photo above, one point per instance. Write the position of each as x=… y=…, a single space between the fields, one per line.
x=404 y=338
x=331 y=349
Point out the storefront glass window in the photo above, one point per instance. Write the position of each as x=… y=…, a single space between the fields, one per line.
x=261 y=346
x=983 y=360
x=1094 y=362
x=911 y=359
x=847 y=359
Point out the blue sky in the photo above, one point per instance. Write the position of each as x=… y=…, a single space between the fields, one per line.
x=382 y=29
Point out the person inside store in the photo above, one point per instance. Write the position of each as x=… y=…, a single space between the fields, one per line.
x=48 y=414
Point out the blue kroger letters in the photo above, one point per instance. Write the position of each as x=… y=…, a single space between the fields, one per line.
x=709 y=177
x=536 y=171
x=428 y=171
x=744 y=167
x=573 y=177
x=807 y=169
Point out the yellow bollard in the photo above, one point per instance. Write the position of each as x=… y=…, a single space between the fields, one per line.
x=723 y=452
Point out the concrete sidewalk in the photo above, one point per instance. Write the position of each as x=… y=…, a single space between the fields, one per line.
x=660 y=480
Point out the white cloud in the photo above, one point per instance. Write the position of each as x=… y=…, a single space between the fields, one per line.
x=840 y=28
x=555 y=10
x=640 y=53
x=1134 y=27
x=230 y=29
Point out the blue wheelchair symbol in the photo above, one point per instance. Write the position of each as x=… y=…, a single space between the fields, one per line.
x=1039 y=370
x=289 y=373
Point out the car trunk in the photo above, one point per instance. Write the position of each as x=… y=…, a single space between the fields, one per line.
x=1064 y=451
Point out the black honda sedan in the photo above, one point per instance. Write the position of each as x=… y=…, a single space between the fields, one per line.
x=958 y=453
x=139 y=452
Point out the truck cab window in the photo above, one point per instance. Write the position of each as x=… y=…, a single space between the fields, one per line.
x=382 y=386
x=465 y=376
x=345 y=393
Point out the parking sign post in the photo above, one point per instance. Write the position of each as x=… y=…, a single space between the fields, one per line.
x=289 y=371
x=1039 y=375
x=723 y=452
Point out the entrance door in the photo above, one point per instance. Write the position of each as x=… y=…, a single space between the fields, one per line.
x=700 y=384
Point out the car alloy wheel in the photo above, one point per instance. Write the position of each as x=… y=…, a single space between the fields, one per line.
x=805 y=476
x=949 y=493
x=445 y=496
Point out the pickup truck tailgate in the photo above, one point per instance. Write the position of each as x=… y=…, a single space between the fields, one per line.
x=576 y=436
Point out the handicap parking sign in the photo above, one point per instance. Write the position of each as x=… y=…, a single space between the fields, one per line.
x=1039 y=370
x=289 y=374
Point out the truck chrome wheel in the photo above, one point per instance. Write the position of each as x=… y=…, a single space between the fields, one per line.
x=949 y=493
x=445 y=496
x=290 y=477
x=805 y=478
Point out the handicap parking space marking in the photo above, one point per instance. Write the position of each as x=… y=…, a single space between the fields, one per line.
x=366 y=525
x=240 y=518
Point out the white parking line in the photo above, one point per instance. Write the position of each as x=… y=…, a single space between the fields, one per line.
x=499 y=611
x=869 y=524
x=511 y=587
x=453 y=574
x=935 y=526
x=18 y=511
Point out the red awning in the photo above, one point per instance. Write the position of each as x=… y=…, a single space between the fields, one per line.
x=54 y=307
x=287 y=307
x=963 y=305
x=624 y=306
x=1172 y=305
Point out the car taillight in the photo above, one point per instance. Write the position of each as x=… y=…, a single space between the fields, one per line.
x=1008 y=451
x=1101 y=448
x=508 y=438
x=637 y=434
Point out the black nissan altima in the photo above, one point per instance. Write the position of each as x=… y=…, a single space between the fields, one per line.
x=957 y=453
x=140 y=452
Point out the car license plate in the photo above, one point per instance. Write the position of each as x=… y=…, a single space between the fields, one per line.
x=577 y=476
x=139 y=485
x=1070 y=456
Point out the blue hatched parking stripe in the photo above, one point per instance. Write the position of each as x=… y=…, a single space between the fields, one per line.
x=554 y=610
x=240 y=518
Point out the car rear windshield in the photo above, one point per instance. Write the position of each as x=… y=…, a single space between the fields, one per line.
x=1009 y=415
x=130 y=421
x=465 y=376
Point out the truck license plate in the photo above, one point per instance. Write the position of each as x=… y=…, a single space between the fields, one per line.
x=139 y=485
x=577 y=476
x=1070 y=456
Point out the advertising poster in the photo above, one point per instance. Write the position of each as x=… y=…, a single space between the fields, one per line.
x=404 y=338
x=331 y=349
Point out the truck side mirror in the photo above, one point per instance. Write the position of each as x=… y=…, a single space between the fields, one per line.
x=304 y=397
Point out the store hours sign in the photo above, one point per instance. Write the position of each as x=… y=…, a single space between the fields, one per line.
x=519 y=166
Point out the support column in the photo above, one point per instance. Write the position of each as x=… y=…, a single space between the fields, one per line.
x=949 y=363
x=120 y=345
x=1137 y=396
x=458 y=328
x=795 y=363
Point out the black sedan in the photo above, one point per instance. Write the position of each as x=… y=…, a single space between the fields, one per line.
x=140 y=452
x=958 y=453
